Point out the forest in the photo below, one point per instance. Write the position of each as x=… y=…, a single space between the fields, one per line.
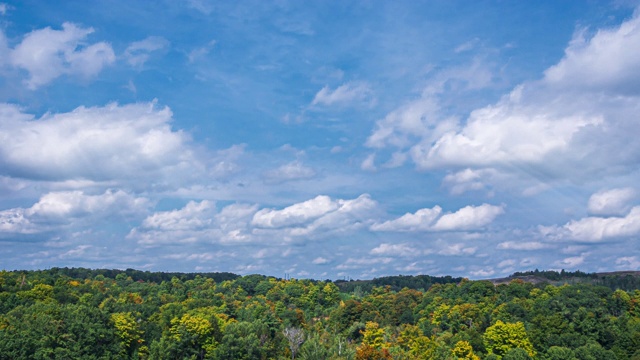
x=77 y=313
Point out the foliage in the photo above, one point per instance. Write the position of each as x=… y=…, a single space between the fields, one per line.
x=66 y=313
x=501 y=337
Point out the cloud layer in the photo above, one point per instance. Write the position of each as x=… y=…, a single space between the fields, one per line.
x=319 y=140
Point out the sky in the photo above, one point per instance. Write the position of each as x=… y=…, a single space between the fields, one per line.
x=320 y=139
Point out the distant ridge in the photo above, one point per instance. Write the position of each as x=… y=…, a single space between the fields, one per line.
x=626 y=280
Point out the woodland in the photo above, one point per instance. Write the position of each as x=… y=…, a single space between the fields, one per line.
x=76 y=313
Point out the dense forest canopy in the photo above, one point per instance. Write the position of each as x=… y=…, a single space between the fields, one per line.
x=77 y=313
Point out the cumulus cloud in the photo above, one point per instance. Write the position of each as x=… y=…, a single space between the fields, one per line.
x=296 y=214
x=575 y=123
x=421 y=220
x=56 y=209
x=47 y=54
x=350 y=215
x=426 y=119
x=595 y=229
x=541 y=127
x=198 y=222
x=193 y=216
x=190 y=224
x=611 y=202
x=468 y=180
x=346 y=94
x=499 y=135
x=139 y=52
x=467 y=218
x=98 y=143
x=607 y=60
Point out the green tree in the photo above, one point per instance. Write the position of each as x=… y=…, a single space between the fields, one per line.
x=517 y=354
x=560 y=353
x=501 y=337
x=128 y=331
x=463 y=350
x=373 y=335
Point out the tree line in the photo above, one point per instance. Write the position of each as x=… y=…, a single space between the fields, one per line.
x=64 y=313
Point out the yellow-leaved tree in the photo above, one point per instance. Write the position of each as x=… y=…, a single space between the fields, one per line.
x=502 y=337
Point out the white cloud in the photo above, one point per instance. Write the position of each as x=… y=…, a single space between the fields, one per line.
x=425 y=119
x=296 y=214
x=138 y=52
x=608 y=60
x=190 y=224
x=15 y=221
x=193 y=216
x=197 y=222
x=47 y=54
x=56 y=209
x=394 y=250
x=235 y=216
x=351 y=215
x=573 y=124
x=71 y=204
x=469 y=180
x=542 y=127
x=346 y=94
x=98 y=143
x=611 y=202
x=421 y=220
x=499 y=135
x=469 y=217
x=600 y=228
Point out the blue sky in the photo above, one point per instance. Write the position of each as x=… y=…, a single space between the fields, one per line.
x=320 y=139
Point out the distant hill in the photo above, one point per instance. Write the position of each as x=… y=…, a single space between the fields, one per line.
x=137 y=275
x=625 y=280
x=396 y=283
